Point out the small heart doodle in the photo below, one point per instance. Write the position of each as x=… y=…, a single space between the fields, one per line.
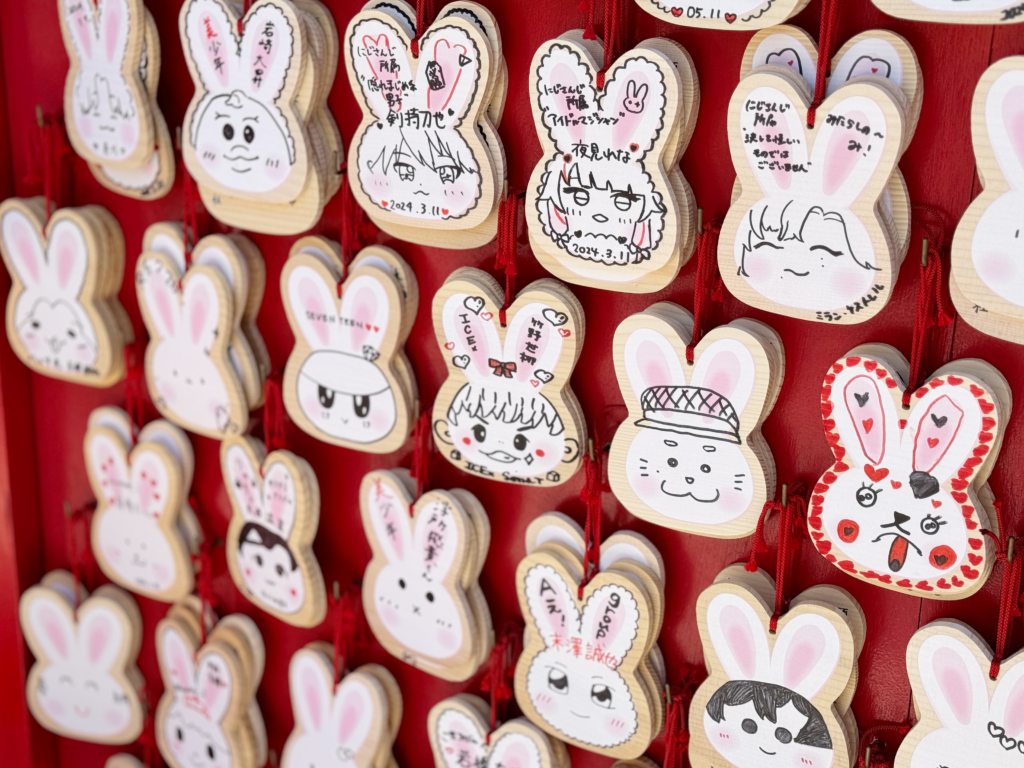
x=543 y=375
x=460 y=361
x=555 y=317
x=474 y=304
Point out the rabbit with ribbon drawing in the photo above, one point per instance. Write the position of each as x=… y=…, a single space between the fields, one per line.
x=966 y=718
x=767 y=699
x=805 y=234
x=500 y=422
x=898 y=507
x=411 y=152
x=104 y=90
x=596 y=198
x=242 y=134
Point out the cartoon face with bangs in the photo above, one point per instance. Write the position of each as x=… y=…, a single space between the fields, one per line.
x=347 y=395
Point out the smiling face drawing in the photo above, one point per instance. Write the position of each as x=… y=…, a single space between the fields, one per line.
x=269 y=569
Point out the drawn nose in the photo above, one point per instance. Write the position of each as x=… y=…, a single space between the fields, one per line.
x=900 y=518
x=600 y=218
x=689 y=480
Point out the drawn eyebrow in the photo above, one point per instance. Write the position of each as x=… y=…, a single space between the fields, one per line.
x=218 y=115
x=763 y=243
x=483 y=421
x=528 y=426
x=827 y=249
x=254 y=119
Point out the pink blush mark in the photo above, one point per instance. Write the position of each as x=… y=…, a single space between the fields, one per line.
x=311 y=407
x=54 y=708
x=390 y=617
x=161 y=572
x=278 y=168
x=757 y=267
x=849 y=283
x=115 y=718
x=114 y=554
x=448 y=639
x=615 y=725
x=645 y=487
x=209 y=155
x=167 y=392
x=545 y=704
x=85 y=126
x=83 y=353
x=996 y=266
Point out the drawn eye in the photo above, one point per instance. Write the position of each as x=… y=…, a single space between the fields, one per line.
x=581 y=197
x=867 y=496
x=401 y=583
x=361 y=405
x=601 y=695
x=179 y=734
x=35 y=325
x=749 y=726
x=259 y=560
x=229 y=131
x=558 y=681
x=448 y=173
x=71 y=333
x=209 y=751
x=931 y=524
x=65 y=680
x=673 y=463
x=783 y=735
x=520 y=442
x=279 y=569
x=326 y=397
x=92 y=685
x=406 y=172
x=705 y=468
x=248 y=134
x=623 y=203
x=480 y=433
x=430 y=597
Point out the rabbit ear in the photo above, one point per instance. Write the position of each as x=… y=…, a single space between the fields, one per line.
x=200 y=309
x=552 y=606
x=280 y=507
x=864 y=416
x=67 y=258
x=774 y=179
x=727 y=367
x=952 y=681
x=214 y=685
x=449 y=73
x=267 y=52
x=871 y=56
x=389 y=518
x=24 y=248
x=101 y=637
x=475 y=339
x=651 y=361
x=313 y=308
x=311 y=691
x=516 y=750
x=565 y=93
x=611 y=621
x=806 y=654
x=81 y=25
x=381 y=62
x=107 y=461
x=353 y=713
x=436 y=538
x=635 y=95
x=52 y=630
x=162 y=300
x=151 y=481
x=1004 y=118
x=115 y=23
x=945 y=426
x=785 y=50
x=211 y=42
x=534 y=344
x=461 y=742
x=1007 y=708
x=738 y=637
x=243 y=482
x=176 y=656
x=365 y=301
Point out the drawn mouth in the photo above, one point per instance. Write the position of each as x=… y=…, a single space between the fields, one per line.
x=690 y=494
x=766 y=751
x=502 y=457
x=798 y=274
x=107 y=128
x=82 y=712
x=600 y=218
x=577 y=714
x=421 y=192
x=243 y=158
x=898 y=550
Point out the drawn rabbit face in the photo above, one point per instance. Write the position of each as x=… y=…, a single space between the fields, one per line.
x=105 y=113
x=50 y=320
x=413 y=160
x=574 y=683
x=239 y=131
x=801 y=246
x=597 y=200
x=341 y=389
x=901 y=509
x=763 y=715
x=686 y=462
x=500 y=420
x=193 y=728
x=413 y=591
x=998 y=244
x=75 y=688
x=336 y=726
x=268 y=566
x=459 y=742
x=134 y=498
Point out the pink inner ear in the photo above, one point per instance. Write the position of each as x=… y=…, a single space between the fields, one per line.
x=392 y=519
x=724 y=374
x=516 y=756
x=53 y=626
x=67 y=256
x=215 y=42
x=654 y=368
x=164 y=304
x=351 y=713
x=564 y=77
x=199 y=310
x=310 y=303
x=112 y=21
x=1014 y=714
x=525 y=369
x=85 y=31
x=211 y=691
x=181 y=672
x=264 y=54
x=26 y=249
x=740 y=640
x=364 y=309
x=868 y=419
x=955 y=683
x=99 y=636
x=447 y=57
x=1013 y=117
x=311 y=687
x=629 y=122
x=611 y=620
x=840 y=160
x=803 y=655
x=932 y=442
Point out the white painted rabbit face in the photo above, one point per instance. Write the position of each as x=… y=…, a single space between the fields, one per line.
x=185 y=379
x=410 y=595
x=974 y=730
x=105 y=113
x=801 y=246
x=239 y=132
x=764 y=716
x=574 y=683
x=890 y=511
x=500 y=421
x=193 y=726
x=50 y=320
x=461 y=744
x=341 y=389
x=998 y=246
x=135 y=498
x=597 y=199
x=686 y=461
x=413 y=161
x=269 y=568
x=76 y=689
x=336 y=725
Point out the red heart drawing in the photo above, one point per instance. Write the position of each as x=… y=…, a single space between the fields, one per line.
x=565 y=332
x=936 y=503
x=874 y=70
x=932 y=442
x=976 y=390
x=486 y=315
x=868 y=424
x=956 y=382
x=876 y=475
x=535 y=383
x=384 y=203
x=444 y=211
x=677 y=12
x=730 y=17
x=896 y=484
x=450 y=345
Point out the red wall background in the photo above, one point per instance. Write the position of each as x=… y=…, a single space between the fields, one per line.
x=41 y=462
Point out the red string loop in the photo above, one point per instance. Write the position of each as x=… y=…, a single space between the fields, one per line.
x=424 y=18
x=708 y=285
x=588 y=7
x=508 y=222
x=77 y=532
x=52 y=145
x=346 y=608
x=245 y=10
x=135 y=387
x=356 y=227
x=792 y=520
x=826 y=47
x=204 y=582
x=591 y=496
x=870 y=738
x=150 y=753
x=502 y=665
x=274 y=436
x=1010 y=590
x=422 y=447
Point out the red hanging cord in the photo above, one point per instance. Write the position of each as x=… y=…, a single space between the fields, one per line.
x=508 y=221
x=1010 y=594
x=52 y=144
x=708 y=285
x=588 y=7
x=150 y=753
x=204 y=582
x=422 y=447
x=792 y=516
x=424 y=18
x=245 y=10
x=826 y=47
x=274 y=436
x=345 y=610
x=869 y=740
x=78 y=543
x=134 y=388
x=500 y=669
x=591 y=496
x=677 y=736
x=48 y=166
x=356 y=227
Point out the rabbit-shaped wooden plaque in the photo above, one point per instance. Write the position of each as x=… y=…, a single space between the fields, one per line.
x=506 y=411
x=965 y=718
x=899 y=506
x=690 y=455
x=724 y=14
x=275 y=500
x=804 y=238
x=84 y=684
x=988 y=249
x=955 y=11
x=769 y=694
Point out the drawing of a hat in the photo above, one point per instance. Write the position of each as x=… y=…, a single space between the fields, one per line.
x=687 y=410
